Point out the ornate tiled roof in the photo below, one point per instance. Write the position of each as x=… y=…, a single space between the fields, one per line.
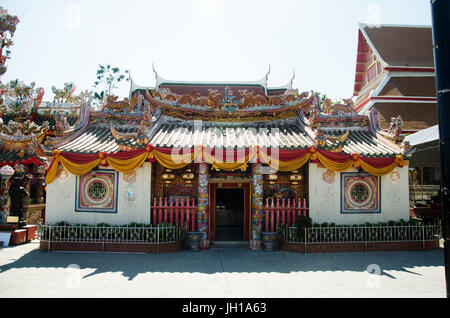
x=361 y=142
x=288 y=134
x=98 y=138
x=169 y=132
x=165 y=119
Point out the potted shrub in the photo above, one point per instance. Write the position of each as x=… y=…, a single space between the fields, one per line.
x=194 y=239
x=269 y=241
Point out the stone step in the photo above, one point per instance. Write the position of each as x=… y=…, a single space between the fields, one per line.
x=229 y=244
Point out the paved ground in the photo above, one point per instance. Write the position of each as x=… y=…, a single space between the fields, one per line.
x=219 y=272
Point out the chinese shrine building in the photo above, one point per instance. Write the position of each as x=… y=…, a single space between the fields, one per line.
x=228 y=153
x=26 y=121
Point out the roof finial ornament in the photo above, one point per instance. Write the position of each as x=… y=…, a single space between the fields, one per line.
x=154 y=71
x=156 y=75
x=292 y=79
x=267 y=75
x=131 y=85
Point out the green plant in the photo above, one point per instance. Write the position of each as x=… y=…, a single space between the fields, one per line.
x=103 y=225
x=301 y=223
x=62 y=223
x=108 y=78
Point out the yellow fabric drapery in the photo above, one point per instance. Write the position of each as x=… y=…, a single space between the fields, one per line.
x=74 y=168
x=377 y=171
x=285 y=165
x=173 y=161
x=334 y=165
x=127 y=165
x=79 y=169
x=228 y=166
x=177 y=161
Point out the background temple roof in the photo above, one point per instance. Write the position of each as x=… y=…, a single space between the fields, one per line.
x=410 y=86
x=423 y=136
x=402 y=45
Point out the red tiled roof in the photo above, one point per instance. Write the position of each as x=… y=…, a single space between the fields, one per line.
x=403 y=45
x=415 y=116
x=410 y=86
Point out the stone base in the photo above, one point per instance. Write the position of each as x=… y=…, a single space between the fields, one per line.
x=358 y=247
x=255 y=245
x=112 y=247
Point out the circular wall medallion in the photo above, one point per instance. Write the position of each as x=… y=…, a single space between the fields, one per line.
x=97 y=190
x=359 y=193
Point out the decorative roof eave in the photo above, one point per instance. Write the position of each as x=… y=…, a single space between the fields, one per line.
x=385 y=137
x=135 y=87
x=235 y=116
x=72 y=133
x=324 y=119
x=288 y=85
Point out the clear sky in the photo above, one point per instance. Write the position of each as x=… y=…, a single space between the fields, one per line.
x=58 y=41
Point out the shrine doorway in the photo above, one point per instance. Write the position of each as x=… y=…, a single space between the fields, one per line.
x=229 y=212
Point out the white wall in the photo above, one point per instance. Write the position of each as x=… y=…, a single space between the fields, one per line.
x=324 y=199
x=61 y=201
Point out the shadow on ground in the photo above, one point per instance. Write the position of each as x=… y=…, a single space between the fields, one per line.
x=221 y=260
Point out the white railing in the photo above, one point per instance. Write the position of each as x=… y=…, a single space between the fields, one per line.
x=160 y=234
x=360 y=234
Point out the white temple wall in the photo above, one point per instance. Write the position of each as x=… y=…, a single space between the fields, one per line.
x=133 y=200
x=325 y=198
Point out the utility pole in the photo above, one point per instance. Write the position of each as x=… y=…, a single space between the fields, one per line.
x=440 y=15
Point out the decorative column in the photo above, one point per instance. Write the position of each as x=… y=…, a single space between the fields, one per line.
x=257 y=206
x=40 y=176
x=5 y=174
x=202 y=214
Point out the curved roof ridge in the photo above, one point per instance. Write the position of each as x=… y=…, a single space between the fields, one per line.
x=160 y=80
